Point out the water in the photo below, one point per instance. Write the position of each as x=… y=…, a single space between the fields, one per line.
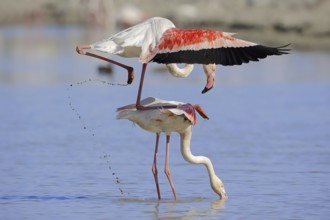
x=64 y=155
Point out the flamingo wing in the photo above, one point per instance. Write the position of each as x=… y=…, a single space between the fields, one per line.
x=207 y=46
x=141 y=36
x=185 y=109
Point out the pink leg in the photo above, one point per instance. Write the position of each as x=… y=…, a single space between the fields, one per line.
x=154 y=167
x=167 y=166
x=81 y=50
x=138 y=99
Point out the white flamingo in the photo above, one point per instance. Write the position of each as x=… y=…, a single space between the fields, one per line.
x=167 y=120
x=158 y=40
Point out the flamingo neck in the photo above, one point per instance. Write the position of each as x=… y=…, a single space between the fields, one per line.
x=179 y=72
x=189 y=157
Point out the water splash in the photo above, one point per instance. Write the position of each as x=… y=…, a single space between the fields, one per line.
x=89 y=129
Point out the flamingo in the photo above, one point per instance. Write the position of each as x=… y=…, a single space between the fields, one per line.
x=178 y=119
x=158 y=40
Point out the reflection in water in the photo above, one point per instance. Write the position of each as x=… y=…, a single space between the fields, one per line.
x=187 y=208
x=218 y=204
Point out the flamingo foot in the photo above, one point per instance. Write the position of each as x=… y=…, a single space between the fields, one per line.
x=145 y=108
x=81 y=49
x=130 y=75
x=140 y=107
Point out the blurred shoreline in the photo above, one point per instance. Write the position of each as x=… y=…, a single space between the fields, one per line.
x=304 y=23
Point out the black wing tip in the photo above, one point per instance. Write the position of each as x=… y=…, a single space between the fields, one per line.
x=282 y=49
x=286 y=45
x=225 y=56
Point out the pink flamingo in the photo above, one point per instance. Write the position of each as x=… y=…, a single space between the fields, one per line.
x=158 y=40
x=167 y=120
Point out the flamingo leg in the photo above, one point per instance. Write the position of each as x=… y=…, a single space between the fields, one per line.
x=139 y=106
x=138 y=99
x=167 y=166
x=81 y=50
x=154 y=166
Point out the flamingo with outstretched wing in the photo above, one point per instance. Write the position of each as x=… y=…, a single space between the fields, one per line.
x=158 y=40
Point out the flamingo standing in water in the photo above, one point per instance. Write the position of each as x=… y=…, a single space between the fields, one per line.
x=167 y=120
x=158 y=40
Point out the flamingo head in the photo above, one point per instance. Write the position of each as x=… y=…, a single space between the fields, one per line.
x=209 y=71
x=218 y=187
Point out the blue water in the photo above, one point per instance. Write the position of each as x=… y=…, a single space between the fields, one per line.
x=64 y=155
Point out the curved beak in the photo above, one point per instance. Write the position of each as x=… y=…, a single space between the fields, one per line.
x=206 y=89
x=209 y=82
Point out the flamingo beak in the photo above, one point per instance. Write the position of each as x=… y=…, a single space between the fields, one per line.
x=206 y=89
x=223 y=196
x=209 y=82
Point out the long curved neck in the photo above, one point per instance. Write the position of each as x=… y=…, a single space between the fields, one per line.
x=189 y=157
x=179 y=72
